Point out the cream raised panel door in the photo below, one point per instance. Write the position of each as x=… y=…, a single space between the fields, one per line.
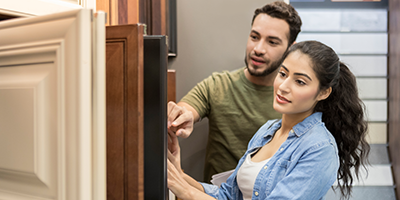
x=52 y=107
x=24 y=8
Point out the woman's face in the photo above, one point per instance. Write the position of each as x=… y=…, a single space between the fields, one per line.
x=296 y=86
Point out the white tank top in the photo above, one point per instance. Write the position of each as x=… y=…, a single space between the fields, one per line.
x=247 y=174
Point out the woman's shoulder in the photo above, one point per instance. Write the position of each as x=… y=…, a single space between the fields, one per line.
x=313 y=130
x=318 y=137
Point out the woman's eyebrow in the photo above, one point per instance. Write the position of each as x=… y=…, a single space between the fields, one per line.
x=305 y=75
x=298 y=74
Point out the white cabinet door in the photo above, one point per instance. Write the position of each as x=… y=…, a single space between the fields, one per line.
x=23 y=8
x=52 y=107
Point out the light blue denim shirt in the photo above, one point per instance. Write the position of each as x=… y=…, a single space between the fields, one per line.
x=304 y=167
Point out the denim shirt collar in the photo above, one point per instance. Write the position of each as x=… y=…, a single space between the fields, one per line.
x=300 y=128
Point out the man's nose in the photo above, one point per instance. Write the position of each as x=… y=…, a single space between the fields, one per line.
x=260 y=48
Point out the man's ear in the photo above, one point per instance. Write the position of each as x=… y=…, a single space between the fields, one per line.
x=324 y=94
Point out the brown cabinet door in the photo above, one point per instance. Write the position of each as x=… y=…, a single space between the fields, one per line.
x=124 y=107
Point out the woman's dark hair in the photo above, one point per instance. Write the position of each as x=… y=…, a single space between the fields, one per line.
x=284 y=11
x=343 y=110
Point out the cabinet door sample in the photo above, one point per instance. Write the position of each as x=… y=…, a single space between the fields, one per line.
x=155 y=117
x=49 y=137
x=124 y=100
x=24 y=8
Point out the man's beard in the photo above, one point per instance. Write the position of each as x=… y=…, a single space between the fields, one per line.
x=272 y=67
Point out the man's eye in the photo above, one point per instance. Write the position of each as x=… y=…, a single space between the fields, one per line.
x=273 y=42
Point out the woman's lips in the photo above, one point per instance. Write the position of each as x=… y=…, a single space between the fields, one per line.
x=281 y=99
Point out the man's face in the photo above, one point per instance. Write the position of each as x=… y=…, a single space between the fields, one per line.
x=266 y=45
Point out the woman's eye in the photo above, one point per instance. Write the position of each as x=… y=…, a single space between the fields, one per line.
x=283 y=74
x=300 y=82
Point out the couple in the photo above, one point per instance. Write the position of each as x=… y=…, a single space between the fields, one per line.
x=299 y=156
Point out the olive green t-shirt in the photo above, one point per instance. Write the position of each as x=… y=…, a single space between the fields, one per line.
x=236 y=109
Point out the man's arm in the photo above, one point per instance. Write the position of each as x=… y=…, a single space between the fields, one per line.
x=181 y=118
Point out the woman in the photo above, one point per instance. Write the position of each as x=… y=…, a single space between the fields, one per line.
x=319 y=139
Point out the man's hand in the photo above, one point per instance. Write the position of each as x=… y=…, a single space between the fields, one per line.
x=180 y=120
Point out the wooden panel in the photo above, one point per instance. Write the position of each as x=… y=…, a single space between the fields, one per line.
x=159 y=20
x=144 y=11
x=99 y=106
x=49 y=137
x=123 y=12
x=115 y=118
x=155 y=112
x=38 y=7
x=124 y=96
x=111 y=8
x=158 y=15
x=104 y=5
x=171 y=85
x=133 y=11
x=394 y=90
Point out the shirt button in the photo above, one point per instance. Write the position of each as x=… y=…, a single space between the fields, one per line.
x=281 y=149
x=291 y=131
x=256 y=193
x=265 y=167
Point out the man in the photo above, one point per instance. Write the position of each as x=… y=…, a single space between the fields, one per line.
x=237 y=103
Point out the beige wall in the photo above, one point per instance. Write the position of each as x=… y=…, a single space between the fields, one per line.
x=211 y=36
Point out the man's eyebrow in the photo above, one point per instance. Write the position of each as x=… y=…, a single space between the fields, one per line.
x=269 y=37
x=298 y=74
x=256 y=32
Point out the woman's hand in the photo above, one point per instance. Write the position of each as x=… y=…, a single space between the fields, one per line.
x=174 y=151
x=176 y=182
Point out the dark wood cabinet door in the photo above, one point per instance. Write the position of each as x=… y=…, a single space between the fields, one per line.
x=124 y=107
x=155 y=117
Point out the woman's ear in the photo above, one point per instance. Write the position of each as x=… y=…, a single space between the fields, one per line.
x=324 y=94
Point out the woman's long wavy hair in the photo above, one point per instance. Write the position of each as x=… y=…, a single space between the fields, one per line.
x=343 y=111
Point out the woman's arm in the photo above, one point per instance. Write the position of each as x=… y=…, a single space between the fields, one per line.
x=181 y=188
x=181 y=184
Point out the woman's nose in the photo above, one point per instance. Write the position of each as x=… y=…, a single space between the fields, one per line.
x=284 y=86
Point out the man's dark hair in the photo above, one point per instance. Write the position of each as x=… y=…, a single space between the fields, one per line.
x=284 y=11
